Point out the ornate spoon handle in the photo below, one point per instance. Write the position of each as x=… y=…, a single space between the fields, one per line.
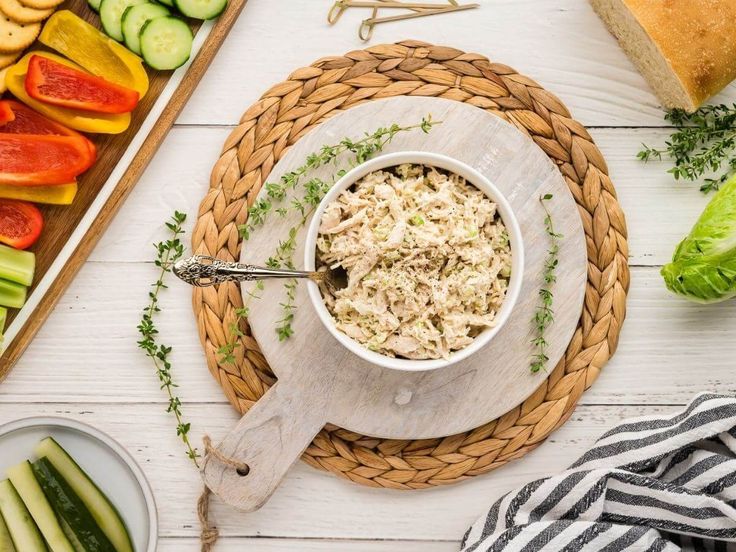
x=203 y=271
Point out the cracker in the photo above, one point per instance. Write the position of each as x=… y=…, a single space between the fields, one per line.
x=6 y=60
x=23 y=14
x=42 y=4
x=16 y=37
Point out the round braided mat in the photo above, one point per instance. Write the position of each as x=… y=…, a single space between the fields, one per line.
x=312 y=94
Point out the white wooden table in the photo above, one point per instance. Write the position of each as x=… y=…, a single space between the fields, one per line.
x=84 y=363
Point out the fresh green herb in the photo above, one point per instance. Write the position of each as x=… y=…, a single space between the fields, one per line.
x=314 y=190
x=417 y=220
x=361 y=149
x=544 y=315
x=703 y=145
x=167 y=253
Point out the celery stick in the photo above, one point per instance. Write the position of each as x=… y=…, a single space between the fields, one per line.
x=17 y=266
x=11 y=294
x=3 y=316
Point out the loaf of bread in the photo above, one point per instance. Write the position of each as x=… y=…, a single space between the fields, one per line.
x=686 y=49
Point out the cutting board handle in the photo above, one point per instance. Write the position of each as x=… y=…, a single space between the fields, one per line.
x=269 y=439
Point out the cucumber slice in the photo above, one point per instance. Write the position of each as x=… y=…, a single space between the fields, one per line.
x=6 y=541
x=12 y=295
x=22 y=478
x=81 y=526
x=103 y=512
x=94 y=5
x=17 y=266
x=169 y=3
x=111 y=16
x=23 y=530
x=134 y=18
x=166 y=42
x=201 y=9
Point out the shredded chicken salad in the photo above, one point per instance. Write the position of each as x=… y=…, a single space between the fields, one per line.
x=427 y=257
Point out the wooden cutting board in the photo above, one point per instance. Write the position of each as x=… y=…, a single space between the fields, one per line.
x=72 y=231
x=320 y=381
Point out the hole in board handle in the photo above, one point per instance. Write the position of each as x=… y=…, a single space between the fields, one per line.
x=242 y=472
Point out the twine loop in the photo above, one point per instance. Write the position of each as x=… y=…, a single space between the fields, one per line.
x=209 y=534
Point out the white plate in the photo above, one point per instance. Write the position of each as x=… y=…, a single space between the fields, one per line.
x=105 y=461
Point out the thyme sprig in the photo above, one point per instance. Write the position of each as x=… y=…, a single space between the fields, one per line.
x=703 y=145
x=544 y=315
x=314 y=190
x=362 y=150
x=167 y=253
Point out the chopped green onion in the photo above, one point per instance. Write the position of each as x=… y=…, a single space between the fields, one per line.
x=417 y=220
x=17 y=266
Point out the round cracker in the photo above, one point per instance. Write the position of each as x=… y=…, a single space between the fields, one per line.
x=23 y=14
x=15 y=37
x=42 y=4
x=6 y=60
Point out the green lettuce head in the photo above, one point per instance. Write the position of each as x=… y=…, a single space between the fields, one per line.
x=703 y=268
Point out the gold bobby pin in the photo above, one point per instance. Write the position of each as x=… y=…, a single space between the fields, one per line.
x=371 y=22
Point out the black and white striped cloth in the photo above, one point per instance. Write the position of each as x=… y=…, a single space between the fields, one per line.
x=657 y=483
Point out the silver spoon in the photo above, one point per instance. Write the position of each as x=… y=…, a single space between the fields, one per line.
x=204 y=271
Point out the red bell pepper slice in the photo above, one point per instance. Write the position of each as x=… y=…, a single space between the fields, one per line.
x=6 y=114
x=20 y=223
x=57 y=84
x=27 y=121
x=33 y=160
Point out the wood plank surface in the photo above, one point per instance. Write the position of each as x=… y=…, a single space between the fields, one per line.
x=314 y=504
x=84 y=363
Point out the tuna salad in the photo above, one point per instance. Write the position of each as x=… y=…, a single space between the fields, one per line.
x=427 y=258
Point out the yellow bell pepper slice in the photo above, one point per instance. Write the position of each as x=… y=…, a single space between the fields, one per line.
x=99 y=54
x=85 y=121
x=61 y=194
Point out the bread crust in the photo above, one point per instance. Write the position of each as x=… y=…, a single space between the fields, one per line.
x=696 y=38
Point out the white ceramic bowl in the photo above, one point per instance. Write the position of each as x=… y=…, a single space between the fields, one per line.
x=473 y=177
x=109 y=465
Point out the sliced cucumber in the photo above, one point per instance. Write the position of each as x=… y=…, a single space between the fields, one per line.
x=22 y=478
x=94 y=5
x=169 y=3
x=6 y=541
x=103 y=512
x=111 y=16
x=135 y=17
x=166 y=42
x=80 y=525
x=12 y=295
x=201 y=9
x=17 y=266
x=71 y=536
x=26 y=536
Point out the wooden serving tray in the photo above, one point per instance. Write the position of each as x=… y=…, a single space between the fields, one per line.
x=320 y=382
x=72 y=231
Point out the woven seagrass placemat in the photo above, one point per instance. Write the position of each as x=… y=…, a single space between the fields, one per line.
x=312 y=94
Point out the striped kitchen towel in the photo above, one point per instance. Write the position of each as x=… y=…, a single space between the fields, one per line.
x=661 y=483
